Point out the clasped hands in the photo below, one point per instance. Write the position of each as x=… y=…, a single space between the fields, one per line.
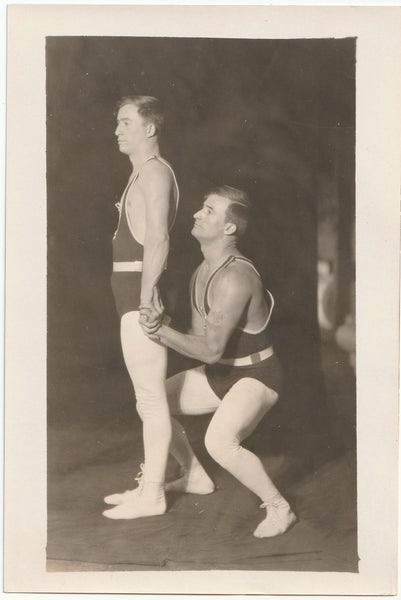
x=151 y=316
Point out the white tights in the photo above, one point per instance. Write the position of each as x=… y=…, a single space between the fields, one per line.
x=146 y=362
x=189 y=393
x=235 y=418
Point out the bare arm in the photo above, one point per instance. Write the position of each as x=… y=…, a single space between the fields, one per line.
x=230 y=298
x=156 y=186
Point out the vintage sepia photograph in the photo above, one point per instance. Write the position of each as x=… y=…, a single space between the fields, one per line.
x=241 y=410
x=200 y=307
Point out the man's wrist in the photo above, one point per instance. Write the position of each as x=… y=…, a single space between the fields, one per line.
x=148 y=293
x=162 y=331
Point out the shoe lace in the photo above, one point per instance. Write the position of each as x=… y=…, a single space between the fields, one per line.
x=272 y=515
x=139 y=476
x=275 y=504
x=269 y=505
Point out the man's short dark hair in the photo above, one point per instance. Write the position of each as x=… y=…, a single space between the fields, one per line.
x=238 y=211
x=148 y=107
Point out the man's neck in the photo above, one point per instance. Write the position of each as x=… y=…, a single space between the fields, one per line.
x=217 y=251
x=139 y=157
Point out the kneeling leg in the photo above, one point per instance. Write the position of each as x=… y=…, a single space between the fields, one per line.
x=236 y=418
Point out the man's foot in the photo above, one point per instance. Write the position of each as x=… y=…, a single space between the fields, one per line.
x=192 y=481
x=137 y=506
x=278 y=520
x=123 y=497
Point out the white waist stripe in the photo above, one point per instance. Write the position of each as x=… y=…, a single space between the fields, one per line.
x=251 y=359
x=133 y=265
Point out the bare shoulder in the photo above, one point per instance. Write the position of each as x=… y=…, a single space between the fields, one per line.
x=236 y=278
x=156 y=170
x=242 y=271
x=156 y=183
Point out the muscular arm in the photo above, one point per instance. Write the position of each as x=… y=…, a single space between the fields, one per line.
x=230 y=298
x=156 y=186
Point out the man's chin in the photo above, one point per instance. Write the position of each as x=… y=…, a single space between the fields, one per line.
x=194 y=232
x=122 y=149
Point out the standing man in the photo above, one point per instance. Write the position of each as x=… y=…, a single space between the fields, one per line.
x=240 y=379
x=147 y=211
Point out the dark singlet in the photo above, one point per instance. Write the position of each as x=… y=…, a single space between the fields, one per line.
x=126 y=284
x=242 y=343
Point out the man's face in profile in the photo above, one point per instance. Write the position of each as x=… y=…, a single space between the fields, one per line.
x=131 y=130
x=210 y=220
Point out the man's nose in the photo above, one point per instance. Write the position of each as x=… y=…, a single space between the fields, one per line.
x=197 y=215
x=116 y=131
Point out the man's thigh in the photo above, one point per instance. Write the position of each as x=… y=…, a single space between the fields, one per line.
x=143 y=357
x=243 y=407
x=189 y=393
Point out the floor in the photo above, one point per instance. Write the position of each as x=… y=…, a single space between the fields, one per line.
x=94 y=457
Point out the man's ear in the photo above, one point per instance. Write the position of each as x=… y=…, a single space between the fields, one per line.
x=230 y=228
x=151 y=130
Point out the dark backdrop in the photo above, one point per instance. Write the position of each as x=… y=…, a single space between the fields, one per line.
x=250 y=113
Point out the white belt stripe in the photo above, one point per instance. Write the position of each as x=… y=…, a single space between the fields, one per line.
x=132 y=266
x=251 y=359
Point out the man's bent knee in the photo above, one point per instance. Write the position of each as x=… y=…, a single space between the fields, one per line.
x=220 y=446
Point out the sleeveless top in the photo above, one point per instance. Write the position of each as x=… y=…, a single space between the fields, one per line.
x=242 y=342
x=125 y=247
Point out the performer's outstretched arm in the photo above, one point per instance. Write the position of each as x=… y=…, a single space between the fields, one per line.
x=230 y=298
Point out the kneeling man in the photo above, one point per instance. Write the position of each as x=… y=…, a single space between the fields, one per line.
x=240 y=379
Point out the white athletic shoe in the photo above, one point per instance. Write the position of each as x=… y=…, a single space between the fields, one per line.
x=123 y=497
x=137 y=507
x=193 y=481
x=278 y=520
